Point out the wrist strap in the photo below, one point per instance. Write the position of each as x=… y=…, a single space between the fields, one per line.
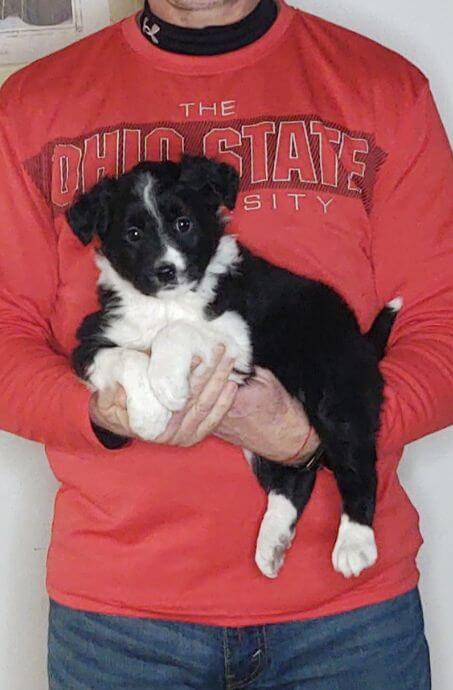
x=313 y=462
x=297 y=455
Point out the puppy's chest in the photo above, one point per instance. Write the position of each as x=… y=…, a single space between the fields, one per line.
x=136 y=323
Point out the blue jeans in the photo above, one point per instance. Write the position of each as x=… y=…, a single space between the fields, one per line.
x=378 y=647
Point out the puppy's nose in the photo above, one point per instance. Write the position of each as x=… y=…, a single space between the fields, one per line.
x=166 y=273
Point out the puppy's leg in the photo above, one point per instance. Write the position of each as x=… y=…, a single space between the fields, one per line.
x=355 y=548
x=171 y=355
x=348 y=438
x=289 y=489
x=345 y=405
x=147 y=416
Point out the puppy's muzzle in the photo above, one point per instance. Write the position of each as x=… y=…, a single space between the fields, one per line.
x=166 y=273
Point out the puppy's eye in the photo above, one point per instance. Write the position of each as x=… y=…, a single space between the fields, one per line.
x=183 y=224
x=134 y=235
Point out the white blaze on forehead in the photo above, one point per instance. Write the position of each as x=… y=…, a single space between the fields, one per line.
x=174 y=257
x=146 y=189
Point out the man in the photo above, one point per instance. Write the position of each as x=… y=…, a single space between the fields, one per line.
x=346 y=177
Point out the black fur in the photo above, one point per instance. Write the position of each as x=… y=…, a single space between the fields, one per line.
x=91 y=332
x=113 y=204
x=301 y=329
x=309 y=338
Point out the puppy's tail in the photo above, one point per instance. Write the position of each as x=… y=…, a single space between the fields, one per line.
x=379 y=332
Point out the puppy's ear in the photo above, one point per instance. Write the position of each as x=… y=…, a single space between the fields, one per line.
x=219 y=181
x=90 y=214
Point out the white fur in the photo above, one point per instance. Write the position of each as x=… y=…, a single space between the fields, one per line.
x=175 y=257
x=226 y=258
x=174 y=328
x=234 y=332
x=395 y=304
x=172 y=352
x=145 y=188
x=355 y=548
x=276 y=534
x=147 y=416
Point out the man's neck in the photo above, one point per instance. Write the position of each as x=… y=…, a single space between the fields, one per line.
x=201 y=13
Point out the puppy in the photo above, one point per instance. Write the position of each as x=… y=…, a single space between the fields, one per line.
x=174 y=282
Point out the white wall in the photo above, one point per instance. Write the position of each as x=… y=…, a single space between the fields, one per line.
x=419 y=30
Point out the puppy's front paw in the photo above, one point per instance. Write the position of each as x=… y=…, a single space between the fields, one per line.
x=147 y=417
x=355 y=548
x=170 y=384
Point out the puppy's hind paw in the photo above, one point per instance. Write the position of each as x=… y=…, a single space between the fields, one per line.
x=276 y=535
x=270 y=557
x=355 y=548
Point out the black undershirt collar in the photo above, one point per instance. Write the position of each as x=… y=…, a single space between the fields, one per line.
x=212 y=40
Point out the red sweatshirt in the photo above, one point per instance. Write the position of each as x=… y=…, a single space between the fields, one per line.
x=346 y=177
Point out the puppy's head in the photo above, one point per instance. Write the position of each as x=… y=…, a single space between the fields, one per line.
x=160 y=224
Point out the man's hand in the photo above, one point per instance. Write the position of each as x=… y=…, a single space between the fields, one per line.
x=211 y=397
x=108 y=410
x=266 y=420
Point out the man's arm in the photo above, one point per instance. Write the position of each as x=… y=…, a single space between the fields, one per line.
x=40 y=396
x=412 y=252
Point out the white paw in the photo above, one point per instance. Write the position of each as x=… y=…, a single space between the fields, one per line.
x=270 y=553
x=147 y=417
x=169 y=367
x=355 y=548
x=276 y=535
x=170 y=386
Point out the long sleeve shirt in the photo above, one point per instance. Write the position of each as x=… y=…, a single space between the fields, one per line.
x=346 y=177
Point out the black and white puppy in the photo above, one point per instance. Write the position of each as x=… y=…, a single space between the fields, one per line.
x=172 y=280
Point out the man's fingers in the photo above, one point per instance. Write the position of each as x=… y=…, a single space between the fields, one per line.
x=202 y=374
x=123 y=421
x=210 y=400
x=201 y=407
x=120 y=397
x=172 y=429
x=108 y=411
x=205 y=415
x=196 y=361
x=207 y=397
x=116 y=395
x=220 y=409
